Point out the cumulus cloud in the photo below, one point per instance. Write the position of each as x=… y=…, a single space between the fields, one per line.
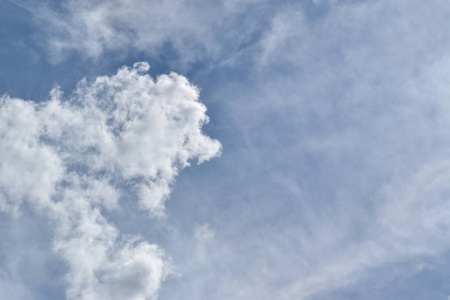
x=126 y=135
x=342 y=109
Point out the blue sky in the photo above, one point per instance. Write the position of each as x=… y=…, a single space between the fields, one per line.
x=299 y=151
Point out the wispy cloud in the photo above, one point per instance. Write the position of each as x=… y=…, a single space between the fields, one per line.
x=334 y=114
x=194 y=30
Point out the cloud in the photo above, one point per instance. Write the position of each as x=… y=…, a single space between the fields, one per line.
x=203 y=233
x=354 y=104
x=126 y=135
x=338 y=133
x=191 y=29
x=375 y=97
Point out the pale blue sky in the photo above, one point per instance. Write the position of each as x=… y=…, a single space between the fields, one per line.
x=333 y=178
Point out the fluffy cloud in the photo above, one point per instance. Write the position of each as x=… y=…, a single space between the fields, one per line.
x=341 y=109
x=127 y=135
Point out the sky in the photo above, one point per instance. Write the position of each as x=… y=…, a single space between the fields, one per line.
x=224 y=149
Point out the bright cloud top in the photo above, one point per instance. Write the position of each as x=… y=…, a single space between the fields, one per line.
x=127 y=135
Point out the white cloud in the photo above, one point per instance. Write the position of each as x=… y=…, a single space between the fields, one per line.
x=194 y=29
x=335 y=90
x=67 y=158
x=29 y=170
x=363 y=106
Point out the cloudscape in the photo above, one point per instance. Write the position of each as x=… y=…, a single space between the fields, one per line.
x=216 y=150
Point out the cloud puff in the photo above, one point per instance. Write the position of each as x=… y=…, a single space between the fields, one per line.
x=126 y=134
